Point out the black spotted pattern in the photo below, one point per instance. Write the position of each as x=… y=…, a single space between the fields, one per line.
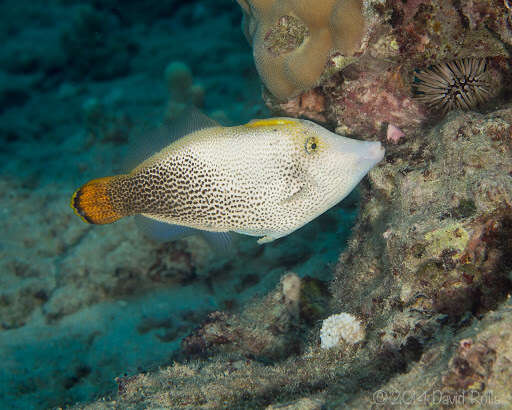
x=255 y=181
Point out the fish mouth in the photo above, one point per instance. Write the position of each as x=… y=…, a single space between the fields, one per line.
x=371 y=155
x=375 y=152
x=366 y=153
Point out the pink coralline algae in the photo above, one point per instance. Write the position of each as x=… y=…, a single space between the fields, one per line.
x=370 y=100
x=394 y=134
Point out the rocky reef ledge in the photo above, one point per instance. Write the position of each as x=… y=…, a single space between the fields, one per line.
x=428 y=272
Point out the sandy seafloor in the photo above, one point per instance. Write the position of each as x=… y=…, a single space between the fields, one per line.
x=81 y=305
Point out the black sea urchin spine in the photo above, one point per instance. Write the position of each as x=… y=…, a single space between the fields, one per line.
x=460 y=84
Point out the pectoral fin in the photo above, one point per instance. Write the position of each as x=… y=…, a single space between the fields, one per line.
x=266 y=239
x=299 y=193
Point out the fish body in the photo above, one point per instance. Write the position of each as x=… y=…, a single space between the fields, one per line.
x=266 y=178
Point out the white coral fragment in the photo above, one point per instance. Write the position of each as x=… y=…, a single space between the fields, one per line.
x=341 y=327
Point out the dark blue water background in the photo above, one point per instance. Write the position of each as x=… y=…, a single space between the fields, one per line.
x=79 y=81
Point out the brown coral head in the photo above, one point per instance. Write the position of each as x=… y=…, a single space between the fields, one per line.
x=460 y=84
x=348 y=26
x=292 y=39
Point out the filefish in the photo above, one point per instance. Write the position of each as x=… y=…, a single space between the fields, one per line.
x=266 y=178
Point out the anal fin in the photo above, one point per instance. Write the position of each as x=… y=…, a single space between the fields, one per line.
x=161 y=231
x=220 y=242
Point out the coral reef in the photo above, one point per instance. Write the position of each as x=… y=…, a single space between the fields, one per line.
x=479 y=352
x=247 y=335
x=268 y=330
x=442 y=207
x=428 y=271
x=373 y=88
x=292 y=39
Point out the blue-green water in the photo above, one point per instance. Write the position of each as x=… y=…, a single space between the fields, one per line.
x=80 y=305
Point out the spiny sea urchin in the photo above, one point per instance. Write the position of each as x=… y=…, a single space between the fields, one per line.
x=460 y=84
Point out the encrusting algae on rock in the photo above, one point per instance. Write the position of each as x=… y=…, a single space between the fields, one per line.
x=266 y=178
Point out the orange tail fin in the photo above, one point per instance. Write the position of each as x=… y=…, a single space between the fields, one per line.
x=93 y=204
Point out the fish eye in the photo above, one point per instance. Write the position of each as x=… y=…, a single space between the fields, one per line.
x=311 y=145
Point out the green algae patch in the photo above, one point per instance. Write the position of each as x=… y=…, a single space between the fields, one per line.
x=453 y=236
x=314 y=300
x=465 y=209
x=431 y=272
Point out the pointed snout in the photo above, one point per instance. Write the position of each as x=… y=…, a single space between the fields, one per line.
x=370 y=154
x=375 y=152
x=369 y=150
x=365 y=154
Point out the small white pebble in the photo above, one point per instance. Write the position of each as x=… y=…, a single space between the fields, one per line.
x=291 y=288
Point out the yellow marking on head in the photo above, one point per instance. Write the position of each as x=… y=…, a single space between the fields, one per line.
x=269 y=122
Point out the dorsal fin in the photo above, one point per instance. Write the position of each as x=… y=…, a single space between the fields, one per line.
x=151 y=141
x=189 y=120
